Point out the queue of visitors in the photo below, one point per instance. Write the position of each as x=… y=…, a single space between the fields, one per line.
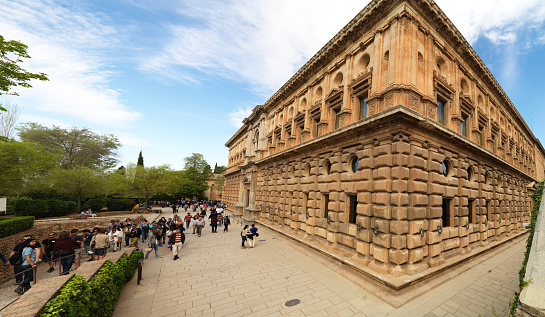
x=69 y=247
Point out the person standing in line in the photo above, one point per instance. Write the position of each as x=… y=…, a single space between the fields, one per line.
x=145 y=230
x=100 y=244
x=152 y=242
x=126 y=230
x=17 y=268
x=254 y=236
x=244 y=234
x=87 y=237
x=135 y=236
x=29 y=261
x=226 y=223
x=65 y=251
x=200 y=224
x=47 y=249
x=74 y=235
x=177 y=240
x=118 y=239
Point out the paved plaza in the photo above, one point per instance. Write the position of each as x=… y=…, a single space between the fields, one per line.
x=215 y=277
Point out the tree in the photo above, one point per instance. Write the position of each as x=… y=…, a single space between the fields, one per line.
x=11 y=74
x=220 y=181
x=8 y=121
x=220 y=169
x=147 y=181
x=140 y=161
x=22 y=166
x=81 y=181
x=193 y=181
x=76 y=147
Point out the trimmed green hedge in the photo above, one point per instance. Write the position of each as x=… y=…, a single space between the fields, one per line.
x=9 y=226
x=98 y=297
x=40 y=208
x=115 y=204
x=538 y=194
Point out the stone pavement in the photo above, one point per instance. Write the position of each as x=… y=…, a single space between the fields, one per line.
x=215 y=277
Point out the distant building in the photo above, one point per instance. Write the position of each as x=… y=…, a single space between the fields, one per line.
x=394 y=143
x=213 y=193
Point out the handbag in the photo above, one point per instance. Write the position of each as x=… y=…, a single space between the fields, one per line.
x=62 y=253
x=257 y=234
x=148 y=249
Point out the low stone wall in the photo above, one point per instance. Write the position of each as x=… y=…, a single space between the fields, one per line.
x=40 y=232
x=532 y=297
x=31 y=303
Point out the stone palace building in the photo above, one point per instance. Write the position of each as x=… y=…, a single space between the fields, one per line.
x=394 y=143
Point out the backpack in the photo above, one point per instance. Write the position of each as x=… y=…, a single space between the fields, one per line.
x=17 y=258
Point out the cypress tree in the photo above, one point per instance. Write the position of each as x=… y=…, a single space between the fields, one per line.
x=140 y=160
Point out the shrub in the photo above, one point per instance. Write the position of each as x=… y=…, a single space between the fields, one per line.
x=115 y=204
x=96 y=204
x=98 y=297
x=9 y=226
x=31 y=207
x=58 y=208
x=39 y=208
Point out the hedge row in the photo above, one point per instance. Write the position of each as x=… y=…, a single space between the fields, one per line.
x=98 y=297
x=39 y=208
x=538 y=194
x=9 y=226
x=113 y=204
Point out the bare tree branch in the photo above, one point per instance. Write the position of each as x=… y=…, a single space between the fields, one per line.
x=9 y=119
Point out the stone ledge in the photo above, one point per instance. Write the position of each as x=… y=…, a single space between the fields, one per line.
x=400 y=289
x=32 y=302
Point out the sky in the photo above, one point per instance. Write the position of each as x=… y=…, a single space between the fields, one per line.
x=175 y=77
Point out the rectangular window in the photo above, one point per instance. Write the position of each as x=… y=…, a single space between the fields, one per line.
x=316 y=121
x=470 y=210
x=441 y=104
x=305 y=203
x=325 y=206
x=480 y=136
x=362 y=106
x=353 y=199
x=493 y=144
x=465 y=119
x=488 y=213
x=446 y=212
x=336 y=117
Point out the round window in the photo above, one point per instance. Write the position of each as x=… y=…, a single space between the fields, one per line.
x=355 y=163
x=446 y=168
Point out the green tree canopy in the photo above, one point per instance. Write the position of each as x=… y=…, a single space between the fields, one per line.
x=81 y=181
x=76 y=146
x=147 y=181
x=11 y=74
x=193 y=180
x=22 y=165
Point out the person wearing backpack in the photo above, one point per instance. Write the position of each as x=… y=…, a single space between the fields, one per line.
x=17 y=250
x=28 y=255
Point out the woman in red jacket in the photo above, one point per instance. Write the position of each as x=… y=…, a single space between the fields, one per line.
x=64 y=250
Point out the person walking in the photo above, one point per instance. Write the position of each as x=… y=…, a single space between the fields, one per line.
x=64 y=250
x=194 y=222
x=244 y=234
x=213 y=221
x=226 y=223
x=187 y=220
x=152 y=243
x=200 y=224
x=177 y=240
x=254 y=236
x=29 y=261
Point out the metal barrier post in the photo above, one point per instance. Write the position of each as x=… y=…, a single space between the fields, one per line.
x=34 y=273
x=139 y=272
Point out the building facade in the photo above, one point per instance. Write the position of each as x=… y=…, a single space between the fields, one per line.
x=393 y=143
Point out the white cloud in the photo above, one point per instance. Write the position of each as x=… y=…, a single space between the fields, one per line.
x=72 y=47
x=240 y=114
x=263 y=43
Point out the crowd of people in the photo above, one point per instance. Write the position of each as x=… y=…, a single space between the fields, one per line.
x=69 y=247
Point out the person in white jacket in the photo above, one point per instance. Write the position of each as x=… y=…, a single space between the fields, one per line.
x=118 y=239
